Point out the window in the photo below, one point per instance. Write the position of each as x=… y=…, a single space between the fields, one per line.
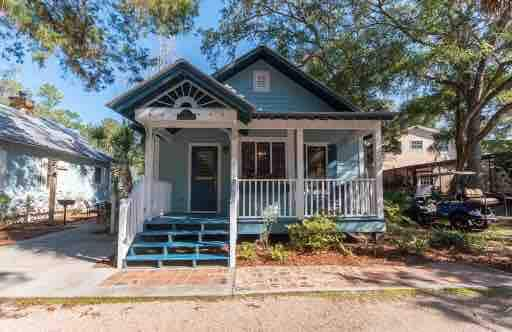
x=417 y=145
x=316 y=161
x=261 y=81
x=98 y=175
x=263 y=160
x=443 y=146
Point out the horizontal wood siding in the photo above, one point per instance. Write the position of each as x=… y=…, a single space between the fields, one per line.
x=285 y=95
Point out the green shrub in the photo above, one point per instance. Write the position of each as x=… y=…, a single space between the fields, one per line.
x=314 y=234
x=5 y=201
x=450 y=239
x=279 y=253
x=247 y=251
x=420 y=245
x=475 y=243
x=396 y=205
x=447 y=239
x=410 y=243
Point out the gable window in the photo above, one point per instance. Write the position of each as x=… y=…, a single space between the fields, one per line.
x=263 y=160
x=417 y=145
x=316 y=161
x=261 y=81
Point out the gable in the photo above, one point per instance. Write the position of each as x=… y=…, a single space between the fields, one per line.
x=285 y=94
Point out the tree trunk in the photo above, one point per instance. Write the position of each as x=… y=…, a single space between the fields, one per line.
x=474 y=153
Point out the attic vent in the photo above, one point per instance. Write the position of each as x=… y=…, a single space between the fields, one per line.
x=261 y=81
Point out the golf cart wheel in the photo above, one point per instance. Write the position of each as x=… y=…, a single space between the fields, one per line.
x=460 y=221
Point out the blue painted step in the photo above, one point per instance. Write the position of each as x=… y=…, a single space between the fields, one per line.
x=170 y=220
x=177 y=232
x=202 y=244
x=194 y=258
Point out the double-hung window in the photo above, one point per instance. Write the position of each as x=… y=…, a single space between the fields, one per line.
x=263 y=160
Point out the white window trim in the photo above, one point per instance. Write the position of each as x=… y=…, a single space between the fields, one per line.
x=306 y=156
x=264 y=140
x=416 y=149
x=219 y=175
x=255 y=74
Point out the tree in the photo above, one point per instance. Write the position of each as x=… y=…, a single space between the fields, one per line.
x=456 y=48
x=50 y=96
x=127 y=152
x=325 y=38
x=93 y=39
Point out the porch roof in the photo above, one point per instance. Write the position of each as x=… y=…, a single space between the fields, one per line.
x=171 y=75
x=325 y=115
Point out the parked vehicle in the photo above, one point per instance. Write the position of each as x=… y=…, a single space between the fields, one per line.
x=468 y=209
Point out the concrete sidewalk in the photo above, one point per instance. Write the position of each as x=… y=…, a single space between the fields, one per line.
x=64 y=265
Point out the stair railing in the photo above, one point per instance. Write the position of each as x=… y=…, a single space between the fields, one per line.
x=131 y=213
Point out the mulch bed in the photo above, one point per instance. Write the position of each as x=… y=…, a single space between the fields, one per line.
x=10 y=234
x=382 y=254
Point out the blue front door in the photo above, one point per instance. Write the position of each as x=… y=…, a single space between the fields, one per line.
x=204 y=179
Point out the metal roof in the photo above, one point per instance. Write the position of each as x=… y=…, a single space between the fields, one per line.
x=17 y=127
x=325 y=115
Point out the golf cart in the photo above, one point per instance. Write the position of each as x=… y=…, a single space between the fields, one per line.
x=469 y=209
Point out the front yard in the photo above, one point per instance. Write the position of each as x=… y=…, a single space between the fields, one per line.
x=401 y=244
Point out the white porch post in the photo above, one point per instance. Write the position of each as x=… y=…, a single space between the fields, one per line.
x=233 y=205
x=377 y=157
x=148 y=170
x=299 y=195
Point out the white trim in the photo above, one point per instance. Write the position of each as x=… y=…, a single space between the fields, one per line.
x=234 y=197
x=299 y=195
x=166 y=92
x=219 y=175
x=145 y=116
x=306 y=159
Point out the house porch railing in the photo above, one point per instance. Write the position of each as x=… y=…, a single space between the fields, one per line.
x=333 y=197
x=131 y=213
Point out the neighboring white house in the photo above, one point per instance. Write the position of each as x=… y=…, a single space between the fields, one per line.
x=28 y=142
x=417 y=148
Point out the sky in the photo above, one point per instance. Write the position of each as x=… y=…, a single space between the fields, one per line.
x=91 y=104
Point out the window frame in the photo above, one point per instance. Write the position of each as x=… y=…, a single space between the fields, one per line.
x=306 y=158
x=101 y=175
x=269 y=140
x=255 y=87
x=416 y=149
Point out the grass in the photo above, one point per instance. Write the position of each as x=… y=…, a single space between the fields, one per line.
x=384 y=294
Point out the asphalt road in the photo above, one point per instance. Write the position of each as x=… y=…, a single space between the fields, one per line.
x=440 y=312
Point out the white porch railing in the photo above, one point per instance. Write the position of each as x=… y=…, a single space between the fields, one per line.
x=131 y=213
x=333 y=197
x=354 y=198
x=256 y=195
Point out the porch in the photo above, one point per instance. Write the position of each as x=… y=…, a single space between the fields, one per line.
x=232 y=175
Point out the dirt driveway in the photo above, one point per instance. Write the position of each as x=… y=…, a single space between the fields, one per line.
x=290 y=313
x=54 y=264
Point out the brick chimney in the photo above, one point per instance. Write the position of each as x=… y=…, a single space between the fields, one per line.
x=22 y=103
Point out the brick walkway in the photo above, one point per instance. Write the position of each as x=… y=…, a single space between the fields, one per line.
x=168 y=277
x=272 y=279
